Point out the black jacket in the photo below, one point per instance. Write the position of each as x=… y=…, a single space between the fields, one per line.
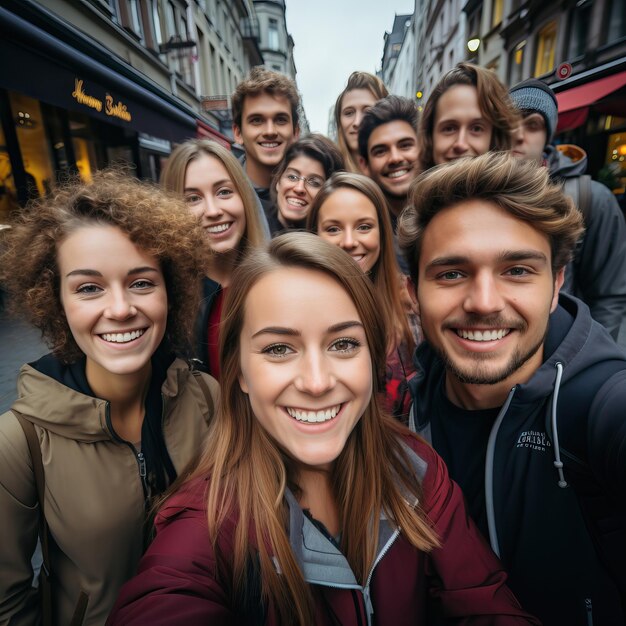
x=598 y=273
x=564 y=546
x=210 y=290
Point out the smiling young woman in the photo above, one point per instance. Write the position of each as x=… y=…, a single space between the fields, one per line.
x=307 y=164
x=217 y=192
x=350 y=212
x=117 y=416
x=309 y=505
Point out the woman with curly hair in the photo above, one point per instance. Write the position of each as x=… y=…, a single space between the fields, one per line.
x=350 y=212
x=108 y=272
x=216 y=189
x=307 y=163
x=362 y=91
x=309 y=505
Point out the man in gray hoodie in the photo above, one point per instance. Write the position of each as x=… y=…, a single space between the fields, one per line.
x=597 y=274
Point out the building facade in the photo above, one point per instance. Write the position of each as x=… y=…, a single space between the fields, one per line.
x=87 y=83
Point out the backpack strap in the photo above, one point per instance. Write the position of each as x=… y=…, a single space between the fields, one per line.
x=208 y=396
x=578 y=188
x=40 y=482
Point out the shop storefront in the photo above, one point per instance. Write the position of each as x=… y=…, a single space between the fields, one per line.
x=64 y=110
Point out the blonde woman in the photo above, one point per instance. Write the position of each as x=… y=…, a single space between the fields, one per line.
x=216 y=190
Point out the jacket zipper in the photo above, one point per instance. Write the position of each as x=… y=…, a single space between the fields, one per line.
x=589 y=609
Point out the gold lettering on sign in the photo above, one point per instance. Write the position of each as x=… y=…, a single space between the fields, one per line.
x=117 y=110
x=82 y=98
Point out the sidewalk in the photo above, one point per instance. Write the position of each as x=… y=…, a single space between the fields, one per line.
x=19 y=343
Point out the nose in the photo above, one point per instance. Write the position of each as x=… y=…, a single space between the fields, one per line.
x=395 y=156
x=269 y=129
x=348 y=241
x=299 y=186
x=484 y=296
x=119 y=306
x=315 y=376
x=460 y=143
x=358 y=116
x=212 y=208
x=518 y=135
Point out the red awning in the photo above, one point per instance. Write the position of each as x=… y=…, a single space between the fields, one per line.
x=589 y=93
x=574 y=103
x=204 y=131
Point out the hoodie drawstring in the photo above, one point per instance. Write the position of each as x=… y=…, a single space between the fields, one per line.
x=555 y=433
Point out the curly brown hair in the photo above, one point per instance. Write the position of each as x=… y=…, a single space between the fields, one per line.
x=158 y=223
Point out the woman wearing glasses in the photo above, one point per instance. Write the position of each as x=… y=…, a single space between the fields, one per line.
x=216 y=190
x=300 y=175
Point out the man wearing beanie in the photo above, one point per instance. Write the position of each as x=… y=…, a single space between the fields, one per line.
x=597 y=275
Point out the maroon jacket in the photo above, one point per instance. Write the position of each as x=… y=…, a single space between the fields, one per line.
x=463 y=581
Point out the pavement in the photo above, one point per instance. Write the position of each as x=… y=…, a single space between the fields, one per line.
x=21 y=343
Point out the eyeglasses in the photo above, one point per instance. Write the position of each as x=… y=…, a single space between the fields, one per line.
x=312 y=182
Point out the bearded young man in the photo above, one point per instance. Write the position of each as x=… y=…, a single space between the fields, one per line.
x=517 y=388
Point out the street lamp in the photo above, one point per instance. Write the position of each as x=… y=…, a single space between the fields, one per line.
x=472 y=44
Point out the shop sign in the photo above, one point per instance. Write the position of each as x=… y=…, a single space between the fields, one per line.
x=111 y=108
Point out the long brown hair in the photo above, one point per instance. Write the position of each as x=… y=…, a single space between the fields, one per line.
x=357 y=80
x=385 y=273
x=493 y=100
x=249 y=473
x=173 y=179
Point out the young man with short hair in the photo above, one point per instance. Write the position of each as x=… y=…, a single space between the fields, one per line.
x=597 y=273
x=388 y=148
x=517 y=388
x=265 y=110
x=468 y=113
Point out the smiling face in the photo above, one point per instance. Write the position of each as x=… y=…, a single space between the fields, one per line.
x=348 y=219
x=484 y=300
x=459 y=129
x=353 y=105
x=305 y=363
x=266 y=131
x=392 y=157
x=114 y=298
x=212 y=196
x=295 y=195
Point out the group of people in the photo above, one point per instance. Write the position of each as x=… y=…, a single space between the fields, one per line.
x=325 y=383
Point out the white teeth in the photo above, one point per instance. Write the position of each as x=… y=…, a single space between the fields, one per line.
x=270 y=145
x=357 y=257
x=295 y=202
x=397 y=173
x=484 y=335
x=314 y=416
x=122 y=337
x=220 y=228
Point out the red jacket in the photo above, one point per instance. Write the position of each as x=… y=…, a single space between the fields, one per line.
x=463 y=580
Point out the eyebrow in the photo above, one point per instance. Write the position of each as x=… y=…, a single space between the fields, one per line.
x=513 y=255
x=132 y=272
x=291 y=332
x=225 y=181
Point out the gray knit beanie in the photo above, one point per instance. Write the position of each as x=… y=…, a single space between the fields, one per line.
x=535 y=95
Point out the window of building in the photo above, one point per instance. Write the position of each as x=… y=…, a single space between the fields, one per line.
x=276 y=68
x=516 y=63
x=272 y=34
x=617 y=20
x=581 y=16
x=135 y=17
x=497 y=11
x=170 y=20
x=156 y=21
x=546 y=45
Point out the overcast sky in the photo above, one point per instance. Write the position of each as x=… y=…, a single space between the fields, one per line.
x=332 y=39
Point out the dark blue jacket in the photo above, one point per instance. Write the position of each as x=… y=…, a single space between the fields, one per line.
x=560 y=534
x=200 y=355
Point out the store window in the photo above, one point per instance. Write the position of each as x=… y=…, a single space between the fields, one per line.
x=546 y=46
x=617 y=20
x=33 y=142
x=8 y=192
